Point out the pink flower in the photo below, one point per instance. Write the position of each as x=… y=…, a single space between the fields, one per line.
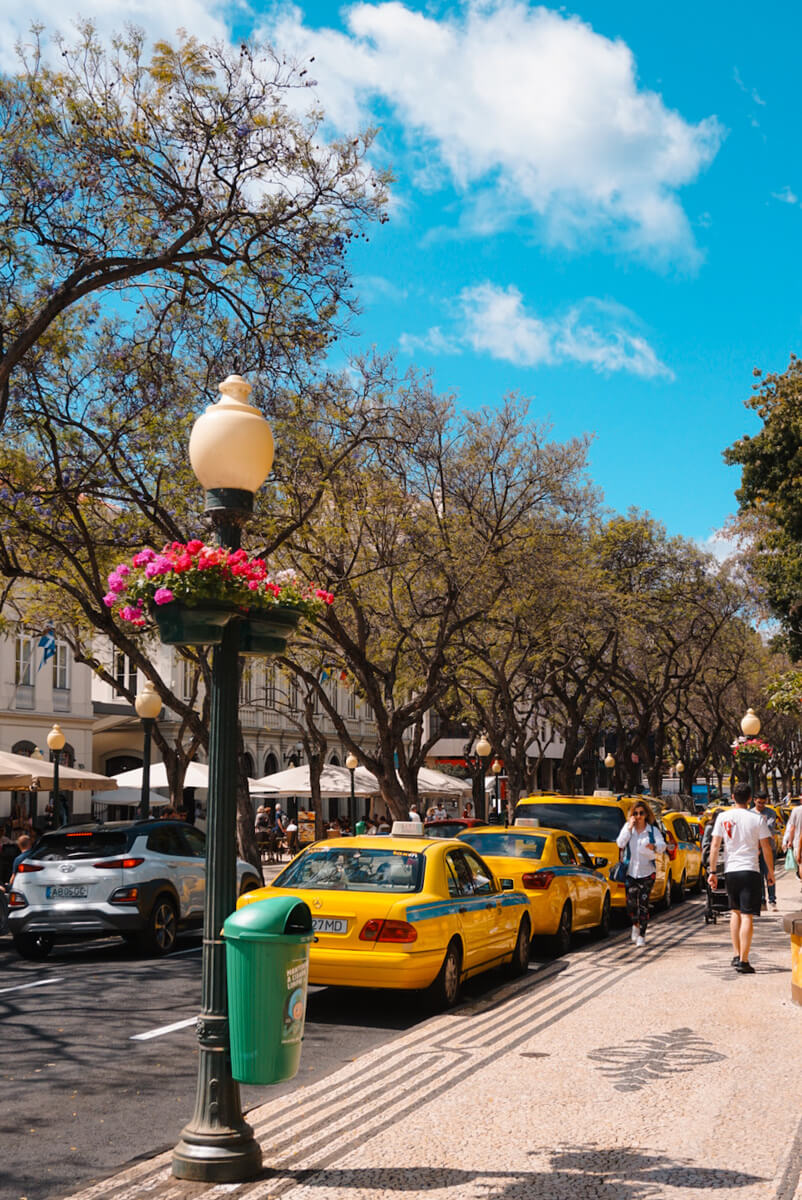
x=116 y=584
x=152 y=569
x=122 y=569
x=194 y=546
x=144 y=556
x=163 y=596
x=110 y=600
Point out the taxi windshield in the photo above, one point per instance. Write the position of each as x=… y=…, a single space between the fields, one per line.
x=347 y=869
x=588 y=822
x=505 y=845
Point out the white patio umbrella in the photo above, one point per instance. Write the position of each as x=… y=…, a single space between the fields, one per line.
x=334 y=781
x=437 y=783
x=38 y=773
x=129 y=798
x=197 y=775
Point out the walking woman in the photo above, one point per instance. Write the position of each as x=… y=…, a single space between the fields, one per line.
x=641 y=841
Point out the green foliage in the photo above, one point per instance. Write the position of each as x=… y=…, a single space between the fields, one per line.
x=770 y=496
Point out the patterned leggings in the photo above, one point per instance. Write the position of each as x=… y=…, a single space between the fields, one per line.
x=638 y=891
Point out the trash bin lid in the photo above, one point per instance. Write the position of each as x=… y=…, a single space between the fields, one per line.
x=274 y=916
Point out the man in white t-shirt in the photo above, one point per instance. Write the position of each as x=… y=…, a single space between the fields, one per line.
x=745 y=834
x=439 y=813
x=792 y=838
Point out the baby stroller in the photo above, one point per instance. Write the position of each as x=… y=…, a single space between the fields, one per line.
x=716 y=902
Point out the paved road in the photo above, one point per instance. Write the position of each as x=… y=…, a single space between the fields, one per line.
x=85 y=1092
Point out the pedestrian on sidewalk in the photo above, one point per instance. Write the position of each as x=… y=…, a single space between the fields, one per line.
x=792 y=838
x=745 y=835
x=761 y=800
x=641 y=841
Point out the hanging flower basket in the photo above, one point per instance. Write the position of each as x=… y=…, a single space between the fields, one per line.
x=750 y=751
x=261 y=633
x=201 y=625
x=191 y=591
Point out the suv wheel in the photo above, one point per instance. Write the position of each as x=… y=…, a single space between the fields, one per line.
x=162 y=928
x=35 y=946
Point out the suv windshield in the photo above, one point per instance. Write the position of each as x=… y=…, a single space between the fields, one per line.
x=588 y=822
x=86 y=843
x=505 y=845
x=355 y=870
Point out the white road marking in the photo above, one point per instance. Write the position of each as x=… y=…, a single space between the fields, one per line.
x=39 y=983
x=154 y=1033
x=192 y=950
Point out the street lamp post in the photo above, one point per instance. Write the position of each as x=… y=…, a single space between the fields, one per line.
x=679 y=768
x=750 y=727
x=33 y=802
x=148 y=705
x=482 y=749
x=352 y=762
x=578 y=777
x=609 y=763
x=231 y=451
x=497 y=768
x=55 y=741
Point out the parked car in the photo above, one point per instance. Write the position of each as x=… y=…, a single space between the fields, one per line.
x=143 y=880
x=565 y=887
x=686 y=866
x=596 y=822
x=404 y=913
x=450 y=827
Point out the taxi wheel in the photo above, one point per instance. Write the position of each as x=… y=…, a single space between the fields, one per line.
x=520 y=958
x=33 y=946
x=561 y=942
x=604 y=923
x=444 y=992
x=668 y=895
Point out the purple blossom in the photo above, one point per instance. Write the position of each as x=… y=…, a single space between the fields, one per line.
x=163 y=596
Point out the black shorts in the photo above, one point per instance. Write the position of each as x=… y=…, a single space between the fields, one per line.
x=745 y=891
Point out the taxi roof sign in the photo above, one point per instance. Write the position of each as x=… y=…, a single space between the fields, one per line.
x=407 y=829
x=528 y=822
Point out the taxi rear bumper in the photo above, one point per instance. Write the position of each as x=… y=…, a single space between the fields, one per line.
x=374 y=968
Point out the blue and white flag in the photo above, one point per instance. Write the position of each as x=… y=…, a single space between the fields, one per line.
x=47 y=642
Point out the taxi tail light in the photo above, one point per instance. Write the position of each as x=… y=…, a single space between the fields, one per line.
x=15 y=900
x=112 y=863
x=537 y=881
x=671 y=848
x=388 y=931
x=26 y=867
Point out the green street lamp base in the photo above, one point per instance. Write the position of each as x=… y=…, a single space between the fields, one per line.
x=217 y=1155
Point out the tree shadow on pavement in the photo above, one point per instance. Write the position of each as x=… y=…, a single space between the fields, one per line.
x=605 y=1174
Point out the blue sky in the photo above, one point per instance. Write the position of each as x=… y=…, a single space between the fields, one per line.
x=598 y=206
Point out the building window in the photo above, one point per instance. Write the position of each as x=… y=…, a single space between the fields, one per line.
x=61 y=667
x=124 y=672
x=23 y=666
x=245 y=687
x=186 y=679
x=270 y=686
x=293 y=694
x=350 y=702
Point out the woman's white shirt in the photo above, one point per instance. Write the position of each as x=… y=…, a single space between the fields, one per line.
x=642 y=850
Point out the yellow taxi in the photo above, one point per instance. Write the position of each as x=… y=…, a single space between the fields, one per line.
x=596 y=822
x=565 y=888
x=686 y=865
x=404 y=912
x=696 y=826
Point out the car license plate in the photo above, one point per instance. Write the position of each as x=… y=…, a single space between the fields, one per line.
x=67 y=891
x=329 y=924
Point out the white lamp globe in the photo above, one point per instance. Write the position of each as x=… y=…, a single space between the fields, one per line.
x=231 y=445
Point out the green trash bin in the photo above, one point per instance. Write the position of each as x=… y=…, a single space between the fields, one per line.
x=267 y=965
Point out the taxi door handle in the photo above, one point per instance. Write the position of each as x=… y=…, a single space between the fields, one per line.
x=462 y=908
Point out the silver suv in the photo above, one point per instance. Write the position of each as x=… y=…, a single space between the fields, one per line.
x=141 y=879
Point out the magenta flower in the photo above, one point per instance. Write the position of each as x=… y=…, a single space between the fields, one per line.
x=116 y=583
x=143 y=556
x=163 y=596
x=109 y=599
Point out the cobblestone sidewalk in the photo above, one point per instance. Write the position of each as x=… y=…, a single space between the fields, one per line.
x=619 y=1074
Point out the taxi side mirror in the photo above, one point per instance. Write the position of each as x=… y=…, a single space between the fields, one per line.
x=507 y=885
x=600 y=862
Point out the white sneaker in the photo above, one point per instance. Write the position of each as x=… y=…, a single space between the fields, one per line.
x=641 y=941
x=634 y=933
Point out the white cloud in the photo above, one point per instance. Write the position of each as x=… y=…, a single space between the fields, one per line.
x=205 y=21
x=722 y=547
x=494 y=320
x=530 y=112
x=786 y=196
